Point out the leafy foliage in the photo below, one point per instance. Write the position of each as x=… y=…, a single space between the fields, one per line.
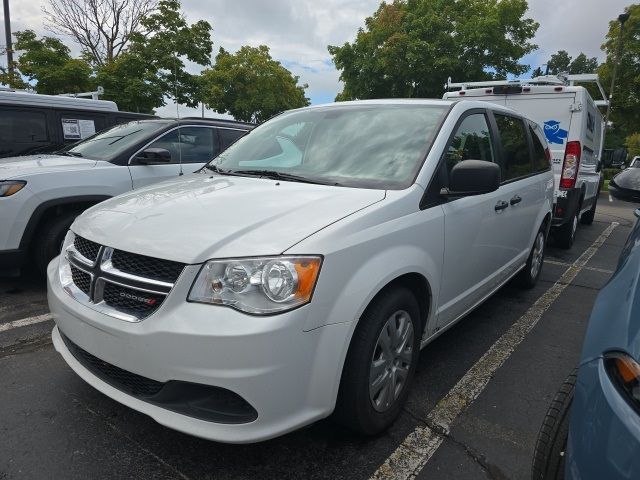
x=250 y=85
x=409 y=48
x=48 y=62
x=632 y=143
x=561 y=62
x=625 y=101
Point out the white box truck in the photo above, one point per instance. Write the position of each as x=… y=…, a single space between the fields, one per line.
x=574 y=129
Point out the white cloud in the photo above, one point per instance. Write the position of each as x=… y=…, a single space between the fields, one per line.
x=298 y=31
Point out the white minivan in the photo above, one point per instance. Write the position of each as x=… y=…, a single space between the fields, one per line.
x=301 y=272
x=574 y=129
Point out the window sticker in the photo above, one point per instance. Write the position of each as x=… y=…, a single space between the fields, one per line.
x=74 y=129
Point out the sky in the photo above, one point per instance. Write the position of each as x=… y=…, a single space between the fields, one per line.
x=298 y=31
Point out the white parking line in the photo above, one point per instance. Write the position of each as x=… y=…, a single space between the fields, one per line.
x=23 y=322
x=565 y=264
x=420 y=445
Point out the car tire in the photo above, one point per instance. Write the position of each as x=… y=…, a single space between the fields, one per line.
x=587 y=217
x=565 y=235
x=549 y=455
x=529 y=275
x=50 y=237
x=384 y=349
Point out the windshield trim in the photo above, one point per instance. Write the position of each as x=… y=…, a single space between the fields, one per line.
x=368 y=184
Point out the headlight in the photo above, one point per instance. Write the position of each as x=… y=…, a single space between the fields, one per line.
x=259 y=286
x=9 y=187
x=624 y=371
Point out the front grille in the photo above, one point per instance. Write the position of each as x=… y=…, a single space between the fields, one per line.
x=115 y=376
x=130 y=301
x=86 y=248
x=148 y=267
x=81 y=279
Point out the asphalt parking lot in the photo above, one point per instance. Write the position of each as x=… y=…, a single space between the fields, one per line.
x=480 y=394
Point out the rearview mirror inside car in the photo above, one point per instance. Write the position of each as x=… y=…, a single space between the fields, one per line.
x=150 y=156
x=472 y=177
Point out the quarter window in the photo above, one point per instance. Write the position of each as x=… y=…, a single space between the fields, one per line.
x=471 y=141
x=516 y=161
x=229 y=136
x=189 y=144
x=23 y=127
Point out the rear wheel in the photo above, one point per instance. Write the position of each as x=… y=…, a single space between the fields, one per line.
x=380 y=364
x=50 y=237
x=549 y=455
x=566 y=234
x=588 y=216
x=528 y=276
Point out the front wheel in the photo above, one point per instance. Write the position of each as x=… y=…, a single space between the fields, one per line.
x=551 y=446
x=380 y=364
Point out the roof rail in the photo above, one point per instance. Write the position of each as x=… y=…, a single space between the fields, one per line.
x=561 y=79
x=94 y=95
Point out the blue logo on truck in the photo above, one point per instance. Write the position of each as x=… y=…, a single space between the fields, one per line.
x=554 y=133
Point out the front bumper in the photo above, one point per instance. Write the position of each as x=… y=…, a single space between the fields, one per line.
x=604 y=433
x=624 y=193
x=290 y=377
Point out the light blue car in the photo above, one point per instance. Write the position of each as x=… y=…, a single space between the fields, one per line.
x=592 y=428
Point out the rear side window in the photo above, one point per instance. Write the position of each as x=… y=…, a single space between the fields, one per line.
x=189 y=144
x=23 y=127
x=471 y=141
x=540 y=159
x=516 y=161
x=228 y=136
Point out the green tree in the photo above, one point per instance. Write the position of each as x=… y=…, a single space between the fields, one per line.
x=537 y=72
x=583 y=64
x=632 y=143
x=559 y=63
x=47 y=62
x=250 y=85
x=625 y=101
x=409 y=48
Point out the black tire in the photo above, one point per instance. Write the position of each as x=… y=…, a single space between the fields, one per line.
x=355 y=407
x=527 y=278
x=565 y=235
x=49 y=239
x=549 y=455
x=587 y=217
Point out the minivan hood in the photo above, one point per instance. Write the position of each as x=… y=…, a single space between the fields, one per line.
x=202 y=216
x=19 y=167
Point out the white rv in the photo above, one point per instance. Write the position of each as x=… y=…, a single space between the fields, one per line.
x=574 y=129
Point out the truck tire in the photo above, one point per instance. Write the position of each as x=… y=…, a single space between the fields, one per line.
x=380 y=364
x=587 y=217
x=49 y=239
x=565 y=235
x=549 y=455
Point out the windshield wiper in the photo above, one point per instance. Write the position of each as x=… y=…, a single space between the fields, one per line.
x=67 y=153
x=275 y=175
x=216 y=169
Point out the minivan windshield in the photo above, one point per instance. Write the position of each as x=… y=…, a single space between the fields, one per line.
x=367 y=146
x=110 y=143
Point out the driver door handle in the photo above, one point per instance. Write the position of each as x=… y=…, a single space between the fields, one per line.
x=501 y=205
x=515 y=199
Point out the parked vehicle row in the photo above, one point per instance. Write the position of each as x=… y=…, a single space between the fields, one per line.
x=305 y=267
x=41 y=195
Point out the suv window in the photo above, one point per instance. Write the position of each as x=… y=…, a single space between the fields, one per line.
x=540 y=159
x=471 y=141
x=515 y=146
x=23 y=127
x=229 y=136
x=193 y=144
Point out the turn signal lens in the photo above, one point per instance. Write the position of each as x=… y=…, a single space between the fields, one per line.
x=9 y=187
x=624 y=372
x=571 y=164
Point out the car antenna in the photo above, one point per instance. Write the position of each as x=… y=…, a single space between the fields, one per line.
x=175 y=86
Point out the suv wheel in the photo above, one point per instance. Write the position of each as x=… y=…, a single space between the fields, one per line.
x=50 y=238
x=566 y=234
x=528 y=276
x=380 y=364
x=587 y=217
x=549 y=455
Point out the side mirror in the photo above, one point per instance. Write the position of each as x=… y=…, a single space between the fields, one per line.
x=151 y=156
x=472 y=177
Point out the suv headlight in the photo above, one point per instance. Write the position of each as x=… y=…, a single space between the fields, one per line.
x=259 y=286
x=9 y=187
x=624 y=371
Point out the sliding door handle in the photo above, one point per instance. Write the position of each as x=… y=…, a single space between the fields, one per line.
x=501 y=205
